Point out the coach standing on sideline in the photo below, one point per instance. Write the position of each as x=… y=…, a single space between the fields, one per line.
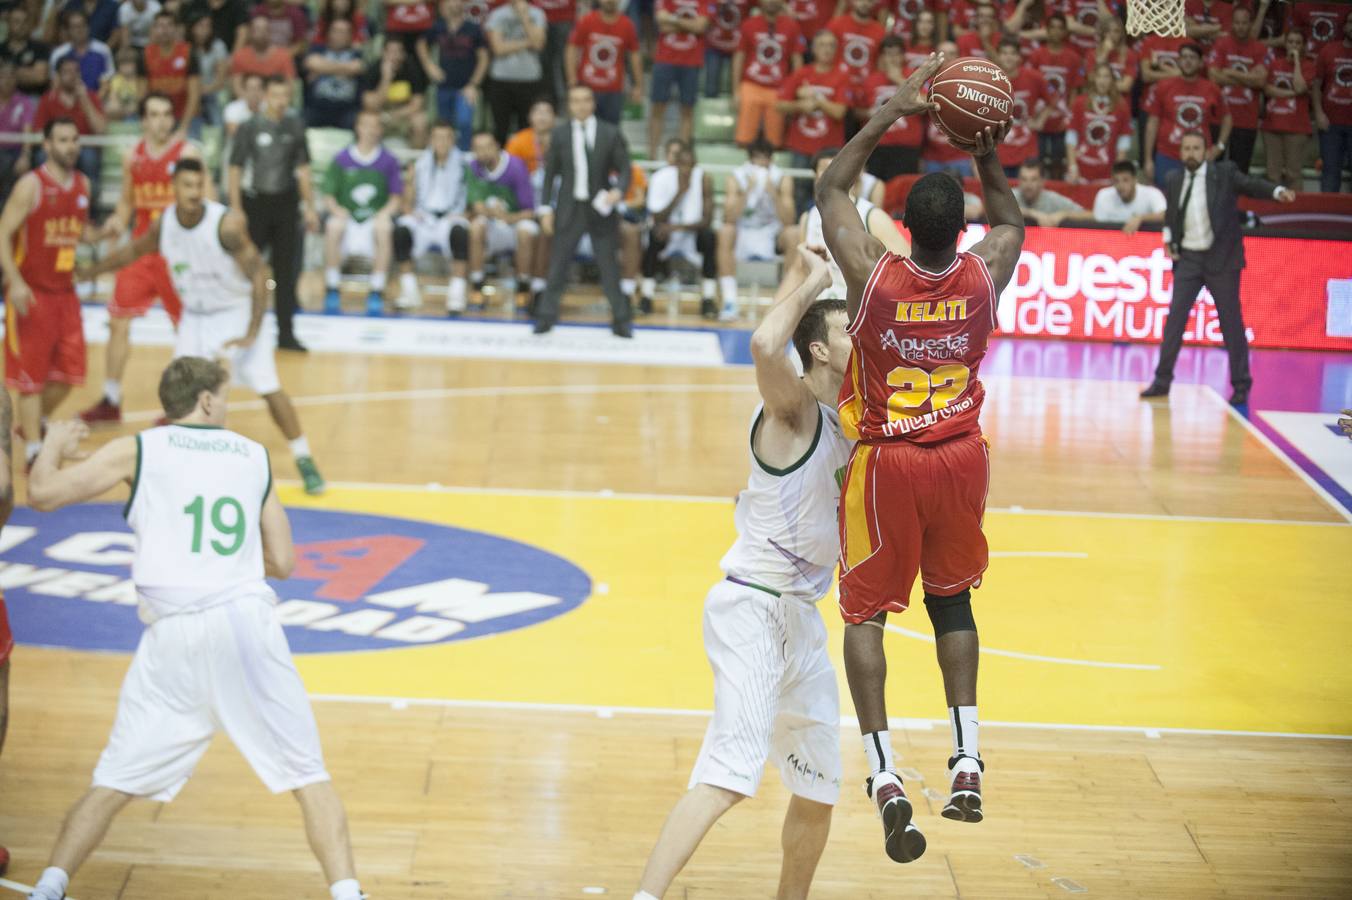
x=269 y=178
x=1203 y=238
x=583 y=153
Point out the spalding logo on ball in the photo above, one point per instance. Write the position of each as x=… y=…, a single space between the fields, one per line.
x=972 y=94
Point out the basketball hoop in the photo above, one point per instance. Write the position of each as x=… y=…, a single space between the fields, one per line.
x=1156 y=17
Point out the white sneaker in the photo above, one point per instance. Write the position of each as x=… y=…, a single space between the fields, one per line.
x=455 y=300
x=964 y=798
x=902 y=841
x=408 y=299
x=729 y=313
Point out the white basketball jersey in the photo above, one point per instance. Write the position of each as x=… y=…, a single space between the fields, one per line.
x=205 y=275
x=196 y=507
x=815 y=239
x=787 y=536
x=760 y=185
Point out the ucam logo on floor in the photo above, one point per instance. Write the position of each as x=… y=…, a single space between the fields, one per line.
x=361 y=582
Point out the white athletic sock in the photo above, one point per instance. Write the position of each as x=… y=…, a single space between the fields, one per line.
x=408 y=284
x=708 y=288
x=52 y=885
x=537 y=285
x=112 y=390
x=476 y=277
x=727 y=286
x=627 y=286
x=300 y=447
x=963 y=720
x=378 y=281
x=644 y=895
x=347 y=889
x=456 y=294
x=649 y=287
x=878 y=749
x=332 y=278
x=31 y=450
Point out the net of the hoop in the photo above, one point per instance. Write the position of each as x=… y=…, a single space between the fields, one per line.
x=1156 y=17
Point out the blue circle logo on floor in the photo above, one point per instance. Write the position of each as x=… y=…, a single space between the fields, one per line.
x=361 y=582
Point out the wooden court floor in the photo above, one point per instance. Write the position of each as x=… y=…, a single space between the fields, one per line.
x=1165 y=540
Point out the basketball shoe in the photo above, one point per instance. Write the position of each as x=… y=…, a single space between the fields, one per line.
x=964 y=797
x=901 y=839
x=105 y=412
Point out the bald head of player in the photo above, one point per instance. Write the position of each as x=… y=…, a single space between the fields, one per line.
x=193 y=389
x=189 y=191
x=934 y=216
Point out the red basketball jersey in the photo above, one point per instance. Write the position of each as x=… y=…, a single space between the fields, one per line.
x=152 y=183
x=167 y=73
x=918 y=340
x=44 y=246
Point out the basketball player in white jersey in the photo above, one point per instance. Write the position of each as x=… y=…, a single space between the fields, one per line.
x=213 y=655
x=878 y=222
x=223 y=283
x=775 y=692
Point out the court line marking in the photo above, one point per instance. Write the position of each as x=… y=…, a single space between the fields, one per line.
x=606 y=494
x=609 y=711
x=1032 y=657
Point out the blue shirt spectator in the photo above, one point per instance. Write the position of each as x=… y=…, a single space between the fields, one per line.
x=459 y=68
x=94 y=57
x=101 y=14
x=332 y=72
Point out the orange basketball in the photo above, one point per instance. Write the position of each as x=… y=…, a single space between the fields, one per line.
x=972 y=94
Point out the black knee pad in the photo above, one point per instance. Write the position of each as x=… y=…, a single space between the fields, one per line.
x=950 y=614
x=403 y=244
x=459 y=242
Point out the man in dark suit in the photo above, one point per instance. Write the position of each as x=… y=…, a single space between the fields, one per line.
x=1202 y=237
x=584 y=153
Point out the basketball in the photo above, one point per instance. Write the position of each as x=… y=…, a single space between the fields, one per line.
x=971 y=94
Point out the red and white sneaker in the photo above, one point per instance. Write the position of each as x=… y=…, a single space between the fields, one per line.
x=964 y=797
x=102 y=413
x=901 y=839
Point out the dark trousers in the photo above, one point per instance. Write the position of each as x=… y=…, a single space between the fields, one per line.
x=889 y=162
x=274 y=227
x=570 y=223
x=1191 y=273
x=1335 y=148
x=705 y=243
x=1240 y=148
x=510 y=103
x=556 y=42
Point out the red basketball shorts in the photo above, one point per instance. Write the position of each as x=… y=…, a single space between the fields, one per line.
x=6 y=638
x=139 y=285
x=908 y=510
x=45 y=345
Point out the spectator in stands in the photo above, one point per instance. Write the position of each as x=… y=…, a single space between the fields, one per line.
x=1040 y=205
x=69 y=98
x=332 y=73
x=121 y=95
x=681 y=209
x=434 y=219
x=771 y=49
x=597 y=49
x=721 y=42
x=861 y=36
x=331 y=11
x=632 y=211
x=984 y=37
x=1031 y=107
x=516 y=35
x=559 y=18
x=235 y=114
x=531 y=146
x=898 y=153
x=757 y=210
x=363 y=185
x=938 y=153
x=1333 y=108
x=1159 y=58
x=1206 y=20
x=101 y=14
x=459 y=69
x=134 y=18
x=1129 y=202
x=1320 y=22
x=17 y=110
x=288 y=25
x=1116 y=51
x=407 y=21
x=229 y=22
x=390 y=90
x=1239 y=65
x=1100 y=129
x=1177 y=106
x=923 y=39
x=269 y=178
x=94 y=58
x=171 y=69
x=1062 y=68
x=502 y=215
x=213 y=60
x=1286 y=117
x=812 y=15
x=29 y=57
x=816 y=96
x=680 y=53
x=258 y=56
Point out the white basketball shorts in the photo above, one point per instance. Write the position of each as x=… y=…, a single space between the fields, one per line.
x=756 y=243
x=228 y=668
x=431 y=233
x=500 y=238
x=206 y=334
x=775 y=695
x=359 y=239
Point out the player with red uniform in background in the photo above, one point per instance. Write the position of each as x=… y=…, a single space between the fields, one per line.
x=147 y=188
x=915 y=490
x=46 y=216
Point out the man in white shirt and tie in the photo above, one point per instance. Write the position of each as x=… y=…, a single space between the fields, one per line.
x=1203 y=238
x=586 y=174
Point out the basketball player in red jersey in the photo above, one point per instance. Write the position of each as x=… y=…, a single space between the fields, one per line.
x=6 y=639
x=915 y=488
x=147 y=189
x=46 y=216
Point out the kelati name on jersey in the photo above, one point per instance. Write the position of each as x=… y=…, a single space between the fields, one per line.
x=932 y=311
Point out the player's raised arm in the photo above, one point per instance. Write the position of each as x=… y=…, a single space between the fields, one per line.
x=852 y=247
x=51 y=487
x=1003 y=244
x=782 y=390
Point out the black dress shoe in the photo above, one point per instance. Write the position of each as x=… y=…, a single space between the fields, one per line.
x=289 y=342
x=645 y=305
x=543 y=327
x=708 y=308
x=1155 y=390
x=1240 y=396
x=622 y=329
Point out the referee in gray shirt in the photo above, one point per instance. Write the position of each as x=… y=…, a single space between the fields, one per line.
x=269 y=178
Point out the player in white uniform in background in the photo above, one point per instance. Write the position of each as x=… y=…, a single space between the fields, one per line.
x=775 y=690
x=878 y=223
x=434 y=219
x=757 y=213
x=209 y=528
x=223 y=283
